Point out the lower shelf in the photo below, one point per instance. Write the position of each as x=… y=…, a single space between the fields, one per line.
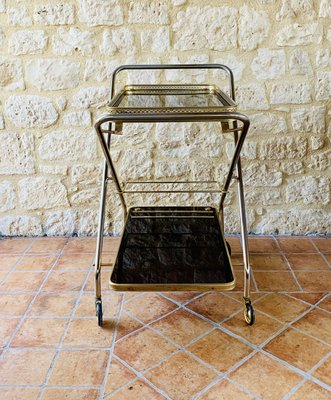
x=172 y=248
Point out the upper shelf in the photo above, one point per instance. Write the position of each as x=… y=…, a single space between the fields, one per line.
x=169 y=100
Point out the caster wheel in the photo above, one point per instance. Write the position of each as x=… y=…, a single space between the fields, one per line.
x=229 y=247
x=249 y=314
x=99 y=313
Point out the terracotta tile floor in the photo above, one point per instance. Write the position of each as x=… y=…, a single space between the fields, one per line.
x=174 y=345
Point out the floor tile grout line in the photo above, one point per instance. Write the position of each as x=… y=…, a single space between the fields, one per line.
x=244 y=389
x=289 y=265
x=119 y=388
x=224 y=375
x=36 y=293
x=111 y=351
x=296 y=319
x=294 y=389
x=320 y=252
x=299 y=371
x=141 y=376
x=59 y=346
x=321 y=361
x=20 y=258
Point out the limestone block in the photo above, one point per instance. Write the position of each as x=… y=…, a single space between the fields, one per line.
x=2 y=122
x=68 y=145
x=253 y=27
x=296 y=9
x=2 y=6
x=178 y=2
x=53 y=169
x=98 y=70
x=300 y=64
x=157 y=41
x=54 y=14
x=309 y=190
x=90 y=97
x=86 y=174
x=203 y=171
x=309 y=120
x=323 y=85
x=269 y=64
x=87 y=222
x=317 y=142
x=148 y=13
x=323 y=58
x=134 y=134
x=67 y=42
x=11 y=74
x=60 y=223
x=265 y=198
x=86 y=196
x=219 y=28
x=295 y=221
x=232 y=220
x=290 y=92
x=235 y=64
x=15 y=225
x=189 y=76
x=292 y=167
x=136 y=164
x=61 y=102
x=173 y=169
x=267 y=123
x=297 y=34
x=118 y=40
x=170 y=135
x=325 y=9
x=17 y=156
x=248 y=152
x=321 y=161
x=283 y=148
x=77 y=118
x=204 y=140
x=7 y=196
x=18 y=16
x=251 y=97
x=259 y=175
x=42 y=192
x=27 y=42
x=30 y=111
x=100 y=12
x=52 y=74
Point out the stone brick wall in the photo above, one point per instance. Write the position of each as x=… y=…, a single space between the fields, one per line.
x=55 y=64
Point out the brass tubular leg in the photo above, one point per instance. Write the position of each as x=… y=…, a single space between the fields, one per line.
x=244 y=233
x=101 y=223
x=105 y=149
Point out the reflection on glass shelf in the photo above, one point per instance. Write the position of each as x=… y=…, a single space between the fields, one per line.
x=172 y=245
x=165 y=100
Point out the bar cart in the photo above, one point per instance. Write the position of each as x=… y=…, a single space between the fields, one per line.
x=173 y=247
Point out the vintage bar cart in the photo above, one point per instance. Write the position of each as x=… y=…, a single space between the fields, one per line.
x=182 y=247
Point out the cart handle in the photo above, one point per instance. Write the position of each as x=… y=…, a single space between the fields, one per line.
x=173 y=66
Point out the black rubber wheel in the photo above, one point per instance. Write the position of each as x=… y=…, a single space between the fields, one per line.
x=249 y=314
x=229 y=247
x=99 y=313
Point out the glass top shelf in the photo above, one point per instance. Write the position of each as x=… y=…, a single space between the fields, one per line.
x=158 y=99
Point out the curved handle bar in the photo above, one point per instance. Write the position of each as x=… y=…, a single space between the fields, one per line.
x=174 y=66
